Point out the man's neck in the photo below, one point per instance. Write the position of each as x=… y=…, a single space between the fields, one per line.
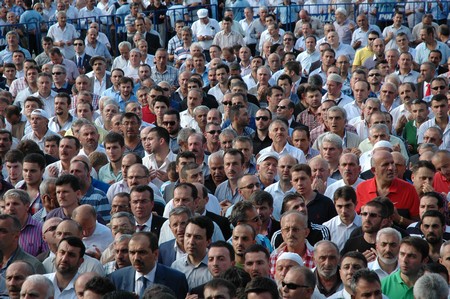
x=388 y=268
x=370 y=237
x=40 y=133
x=300 y=249
x=7 y=253
x=161 y=155
x=265 y=181
x=62 y=119
x=328 y=283
x=409 y=280
x=161 y=68
x=195 y=260
x=278 y=147
x=239 y=130
x=63 y=280
x=262 y=134
x=69 y=210
x=132 y=141
x=88 y=150
x=100 y=76
x=285 y=185
x=404 y=71
x=13 y=48
x=212 y=147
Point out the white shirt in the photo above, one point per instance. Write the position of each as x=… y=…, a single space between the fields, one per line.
x=217 y=93
x=339 y=231
x=188 y=121
x=212 y=206
x=49 y=102
x=100 y=238
x=306 y=59
x=40 y=142
x=353 y=110
x=278 y=195
x=69 y=290
x=58 y=34
x=431 y=123
x=339 y=183
x=288 y=149
x=121 y=186
x=375 y=266
x=150 y=162
x=150 y=276
x=167 y=235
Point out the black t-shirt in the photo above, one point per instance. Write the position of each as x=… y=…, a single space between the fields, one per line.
x=357 y=244
x=321 y=209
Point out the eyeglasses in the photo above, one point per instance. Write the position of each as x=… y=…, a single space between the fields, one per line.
x=373 y=75
x=342 y=62
x=251 y=186
x=165 y=89
x=169 y=123
x=281 y=107
x=293 y=286
x=371 y=215
x=438 y=87
x=287 y=39
x=50 y=229
x=212 y=132
x=78 y=44
x=264 y=118
x=57 y=73
x=227 y=103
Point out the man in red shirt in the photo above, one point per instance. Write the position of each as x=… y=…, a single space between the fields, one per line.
x=402 y=194
x=441 y=182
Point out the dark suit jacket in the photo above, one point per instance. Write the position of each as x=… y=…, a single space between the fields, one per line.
x=167 y=254
x=420 y=90
x=123 y=279
x=153 y=43
x=84 y=62
x=222 y=222
x=157 y=222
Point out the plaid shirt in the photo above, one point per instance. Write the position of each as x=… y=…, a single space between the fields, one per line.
x=322 y=129
x=95 y=99
x=308 y=118
x=170 y=75
x=18 y=85
x=174 y=43
x=308 y=258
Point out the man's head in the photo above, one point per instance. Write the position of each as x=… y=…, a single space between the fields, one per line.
x=142 y=199
x=243 y=236
x=366 y=283
x=433 y=226
x=388 y=245
x=143 y=251
x=86 y=217
x=257 y=261
x=383 y=166
x=294 y=229
x=351 y=262
x=15 y=275
x=197 y=236
x=69 y=256
x=299 y=282
x=261 y=287
x=37 y=286
x=326 y=259
x=220 y=257
x=412 y=255
x=374 y=216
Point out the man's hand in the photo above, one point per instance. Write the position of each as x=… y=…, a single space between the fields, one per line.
x=427 y=188
x=370 y=255
x=319 y=185
x=53 y=171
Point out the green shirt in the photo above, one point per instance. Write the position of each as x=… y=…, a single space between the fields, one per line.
x=394 y=287
x=106 y=174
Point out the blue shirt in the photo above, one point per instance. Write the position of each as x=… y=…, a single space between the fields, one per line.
x=98 y=200
x=32 y=18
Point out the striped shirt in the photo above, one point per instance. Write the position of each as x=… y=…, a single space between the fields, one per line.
x=98 y=200
x=30 y=239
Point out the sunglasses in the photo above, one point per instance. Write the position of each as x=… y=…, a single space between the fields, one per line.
x=264 y=118
x=227 y=103
x=371 y=215
x=169 y=123
x=77 y=44
x=281 y=107
x=373 y=75
x=293 y=286
x=57 y=73
x=251 y=186
x=438 y=87
x=372 y=38
x=212 y=132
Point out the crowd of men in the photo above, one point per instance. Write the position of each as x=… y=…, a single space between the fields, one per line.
x=231 y=159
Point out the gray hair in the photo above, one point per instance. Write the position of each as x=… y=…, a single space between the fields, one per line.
x=201 y=108
x=340 y=109
x=196 y=45
x=321 y=242
x=59 y=66
x=332 y=138
x=184 y=134
x=379 y=127
x=124 y=215
x=135 y=51
x=122 y=238
x=80 y=122
x=388 y=231
x=432 y=285
x=432 y=147
x=179 y=211
x=125 y=44
x=44 y=186
x=242 y=139
x=18 y=194
x=303 y=218
x=375 y=101
x=308 y=275
x=42 y=280
x=12 y=32
x=109 y=101
x=436 y=129
x=228 y=132
x=217 y=154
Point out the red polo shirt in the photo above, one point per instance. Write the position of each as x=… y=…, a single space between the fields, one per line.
x=402 y=194
x=440 y=183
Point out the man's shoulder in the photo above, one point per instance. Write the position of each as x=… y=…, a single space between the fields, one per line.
x=122 y=273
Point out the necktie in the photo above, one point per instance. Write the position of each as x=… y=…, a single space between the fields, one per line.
x=428 y=91
x=144 y=285
x=79 y=62
x=141 y=227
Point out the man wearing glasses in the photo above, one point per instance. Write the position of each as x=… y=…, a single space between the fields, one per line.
x=81 y=59
x=299 y=282
x=262 y=140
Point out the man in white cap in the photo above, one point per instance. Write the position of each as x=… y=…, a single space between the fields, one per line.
x=39 y=128
x=334 y=91
x=382 y=144
x=286 y=261
x=204 y=29
x=266 y=167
